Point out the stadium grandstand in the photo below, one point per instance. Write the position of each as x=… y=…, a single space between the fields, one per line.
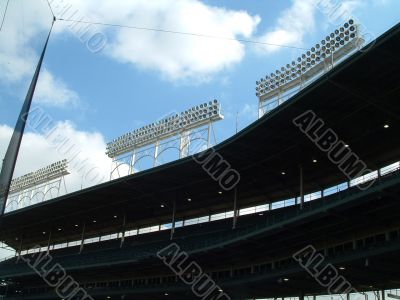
x=290 y=195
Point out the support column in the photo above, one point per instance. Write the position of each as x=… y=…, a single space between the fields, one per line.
x=123 y=231
x=301 y=188
x=235 y=211
x=209 y=135
x=347 y=296
x=173 y=219
x=156 y=146
x=133 y=161
x=83 y=237
x=383 y=294
x=184 y=144
x=48 y=242
x=19 y=249
x=301 y=295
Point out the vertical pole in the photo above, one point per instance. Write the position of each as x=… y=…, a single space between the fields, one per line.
x=133 y=161
x=234 y=208
x=301 y=188
x=184 y=144
x=209 y=135
x=156 y=153
x=10 y=158
x=65 y=185
x=82 y=238
x=31 y=196
x=19 y=249
x=59 y=187
x=383 y=294
x=347 y=296
x=301 y=296
x=20 y=202
x=173 y=219
x=48 y=242
x=123 y=231
x=237 y=116
x=45 y=190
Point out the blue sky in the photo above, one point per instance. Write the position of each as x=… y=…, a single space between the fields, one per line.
x=141 y=76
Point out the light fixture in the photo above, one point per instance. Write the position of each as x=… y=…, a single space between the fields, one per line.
x=339 y=42
x=165 y=294
x=189 y=199
x=220 y=290
x=76 y=225
x=44 y=232
x=342 y=268
x=115 y=217
x=46 y=174
x=94 y=221
x=164 y=128
x=386 y=126
x=346 y=145
x=285 y=279
x=314 y=161
x=162 y=205
x=283 y=173
x=219 y=192
x=59 y=229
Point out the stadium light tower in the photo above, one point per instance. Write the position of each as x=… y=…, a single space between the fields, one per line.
x=37 y=186
x=178 y=129
x=275 y=88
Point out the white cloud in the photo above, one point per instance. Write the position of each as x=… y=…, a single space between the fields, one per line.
x=85 y=151
x=18 y=56
x=176 y=56
x=53 y=91
x=291 y=26
x=299 y=20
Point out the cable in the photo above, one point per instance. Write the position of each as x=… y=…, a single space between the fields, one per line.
x=4 y=15
x=182 y=33
x=54 y=17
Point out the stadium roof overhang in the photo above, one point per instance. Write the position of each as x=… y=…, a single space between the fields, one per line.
x=355 y=99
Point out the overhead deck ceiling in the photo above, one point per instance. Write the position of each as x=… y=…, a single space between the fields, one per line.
x=355 y=99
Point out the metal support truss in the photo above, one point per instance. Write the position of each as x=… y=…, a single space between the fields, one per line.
x=36 y=194
x=186 y=143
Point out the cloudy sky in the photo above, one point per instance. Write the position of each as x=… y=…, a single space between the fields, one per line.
x=99 y=82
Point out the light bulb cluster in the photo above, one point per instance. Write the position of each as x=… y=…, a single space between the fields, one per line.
x=47 y=173
x=191 y=118
x=317 y=54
